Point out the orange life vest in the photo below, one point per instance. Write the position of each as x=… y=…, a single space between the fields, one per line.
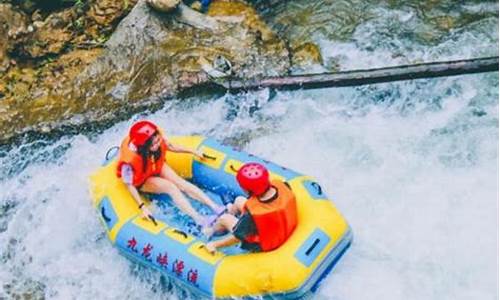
x=275 y=220
x=134 y=159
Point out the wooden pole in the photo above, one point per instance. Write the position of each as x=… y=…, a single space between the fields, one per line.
x=368 y=76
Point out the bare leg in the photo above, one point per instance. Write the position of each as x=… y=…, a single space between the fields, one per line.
x=187 y=187
x=224 y=222
x=158 y=185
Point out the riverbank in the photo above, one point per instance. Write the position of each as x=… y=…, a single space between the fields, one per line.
x=85 y=66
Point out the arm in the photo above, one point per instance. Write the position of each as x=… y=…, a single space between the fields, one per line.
x=227 y=241
x=146 y=213
x=128 y=178
x=135 y=194
x=180 y=149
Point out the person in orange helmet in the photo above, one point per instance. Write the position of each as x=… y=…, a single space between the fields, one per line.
x=142 y=167
x=267 y=217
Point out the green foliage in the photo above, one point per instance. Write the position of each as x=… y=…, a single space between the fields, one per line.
x=79 y=3
x=102 y=39
x=78 y=24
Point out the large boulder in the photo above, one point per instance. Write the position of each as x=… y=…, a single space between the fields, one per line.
x=50 y=36
x=12 y=24
x=150 y=57
x=108 y=12
x=164 y=5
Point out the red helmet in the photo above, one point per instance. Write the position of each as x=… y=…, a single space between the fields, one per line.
x=254 y=178
x=142 y=131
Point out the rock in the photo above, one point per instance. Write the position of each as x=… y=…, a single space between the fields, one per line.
x=38 y=24
x=12 y=22
x=108 y=12
x=306 y=54
x=27 y=6
x=22 y=79
x=2 y=90
x=219 y=68
x=196 y=5
x=45 y=6
x=36 y=16
x=156 y=51
x=48 y=37
x=222 y=64
x=196 y=19
x=445 y=23
x=164 y=5
x=150 y=57
x=223 y=9
x=33 y=96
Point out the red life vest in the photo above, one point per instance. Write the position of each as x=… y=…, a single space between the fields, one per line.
x=275 y=220
x=134 y=159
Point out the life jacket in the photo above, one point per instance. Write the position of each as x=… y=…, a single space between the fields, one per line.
x=275 y=220
x=134 y=159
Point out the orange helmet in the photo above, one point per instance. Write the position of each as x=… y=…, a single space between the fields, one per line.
x=142 y=131
x=254 y=178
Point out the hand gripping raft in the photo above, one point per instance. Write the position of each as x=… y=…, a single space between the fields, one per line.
x=294 y=270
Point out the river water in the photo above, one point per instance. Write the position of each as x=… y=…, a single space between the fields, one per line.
x=412 y=165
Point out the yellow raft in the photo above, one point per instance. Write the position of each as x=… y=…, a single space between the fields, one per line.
x=292 y=271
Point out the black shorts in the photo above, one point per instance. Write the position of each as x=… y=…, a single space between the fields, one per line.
x=244 y=228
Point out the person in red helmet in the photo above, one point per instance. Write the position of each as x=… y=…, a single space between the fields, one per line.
x=142 y=167
x=266 y=218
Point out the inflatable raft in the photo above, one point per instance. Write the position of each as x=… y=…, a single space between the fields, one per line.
x=292 y=271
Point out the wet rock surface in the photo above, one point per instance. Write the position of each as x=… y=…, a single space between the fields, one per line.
x=306 y=55
x=150 y=57
x=47 y=37
x=43 y=47
x=12 y=23
x=63 y=65
x=107 y=12
x=164 y=5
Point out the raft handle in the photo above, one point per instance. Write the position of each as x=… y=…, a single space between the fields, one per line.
x=209 y=156
x=153 y=219
x=317 y=187
x=233 y=169
x=204 y=247
x=103 y=214
x=180 y=232
x=315 y=243
x=109 y=151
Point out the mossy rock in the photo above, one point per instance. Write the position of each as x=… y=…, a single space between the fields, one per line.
x=306 y=54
